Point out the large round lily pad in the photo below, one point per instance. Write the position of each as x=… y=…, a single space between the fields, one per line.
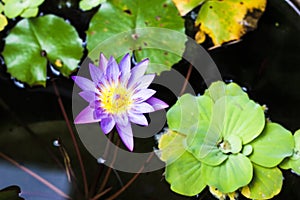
x=34 y=42
x=131 y=18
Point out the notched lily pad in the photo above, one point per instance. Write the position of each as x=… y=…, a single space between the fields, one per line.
x=229 y=20
x=34 y=42
x=122 y=26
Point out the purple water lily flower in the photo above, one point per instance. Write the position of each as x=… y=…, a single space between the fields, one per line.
x=117 y=95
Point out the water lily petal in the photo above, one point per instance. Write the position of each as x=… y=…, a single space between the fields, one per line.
x=126 y=135
x=142 y=108
x=121 y=119
x=112 y=71
x=102 y=63
x=107 y=124
x=89 y=96
x=137 y=72
x=138 y=119
x=143 y=95
x=84 y=83
x=86 y=116
x=125 y=68
x=99 y=113
x=145 y=81
x=156 y=103
x=96 y=73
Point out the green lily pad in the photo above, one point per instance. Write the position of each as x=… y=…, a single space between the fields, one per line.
x=35 y=41
x=225 y=21
x=232 y=174
x=10 y=193
x=272 y=146
x=237 y=115
x=188 y=113
x=130 y=26
x=293 y=162
x=219 y=89
x=266 y=183
x=89 y=4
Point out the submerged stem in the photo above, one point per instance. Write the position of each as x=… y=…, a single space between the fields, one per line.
x=110 y=168
x=186 y=79
x=36 y=176
x=61 y=105
x=131 y=180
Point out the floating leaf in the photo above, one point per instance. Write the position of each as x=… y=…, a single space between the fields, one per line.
x=130 y=25
x=219 y=89
x=171 y=146
x=3 y=22
x=293 y=162
x=266 y=183
x=264 y=153
x=35 y=41
x=185 y=6
x=89 y=4
x=188 y=112
x=24 y=8
x=10 y=193
x=203 y=145
x=232 y=174
x=242 y=117
x=183 y=170
x=229 y=20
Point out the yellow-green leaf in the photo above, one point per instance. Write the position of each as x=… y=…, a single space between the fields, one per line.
x=266 y=183
x=229 y=20
x=3 y=22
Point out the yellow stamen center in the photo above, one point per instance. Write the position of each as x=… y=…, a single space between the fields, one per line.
x=115 y=99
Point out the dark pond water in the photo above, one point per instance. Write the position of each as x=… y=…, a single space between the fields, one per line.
x=266 y=62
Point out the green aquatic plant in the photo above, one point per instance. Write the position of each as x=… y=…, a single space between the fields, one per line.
x=33 y=43
x=293 y=162
x=15 y=8
x=86 y=5
x=120 y=16
x=221 y=139
x=223 y=21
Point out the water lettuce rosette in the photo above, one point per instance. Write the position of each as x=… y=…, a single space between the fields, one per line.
x=221 y=139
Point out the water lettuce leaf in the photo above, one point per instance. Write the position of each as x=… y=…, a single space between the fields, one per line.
x=266 y=183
